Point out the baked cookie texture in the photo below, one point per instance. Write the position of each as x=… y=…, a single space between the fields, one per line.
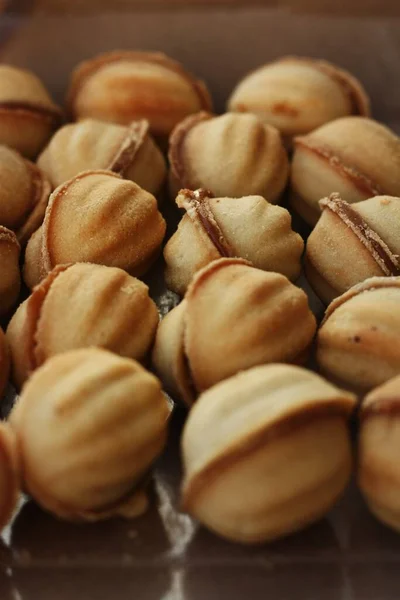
x=231 y=155
x=4 y=362
x=10 y=277
x=378 y=449
x=24 y=194
x=28 y=115
x=298 y=94
x=212 y=228
x=9 y=474
x=124 y=86
x=90 y=144
x=356 y=157
x=233 y=317
x=89 y=425
x=96 y=217
x=275 y=457
x=358 y=342
x=352 y=242
x=100 y=306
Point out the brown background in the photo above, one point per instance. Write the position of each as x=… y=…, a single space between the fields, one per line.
x=165 y=555
x=340 y=7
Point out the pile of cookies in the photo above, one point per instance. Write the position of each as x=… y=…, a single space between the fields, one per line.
x=266 y=447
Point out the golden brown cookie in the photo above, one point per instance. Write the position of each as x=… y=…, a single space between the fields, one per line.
x=96 y=217
x=213 y=228
x=90 y=144
x=28 y=115
x=24 y=194
x=355 y=157
x=77 y=306
x=266 y=453
x=233 y=317
x=124 y=86
x=89 y=426
x=9 y=473
x=4 y=362
x=378 y=451
x=231 y=155
x=358 y=343
x=297 y=94
x=351 y=243
x=10 y=277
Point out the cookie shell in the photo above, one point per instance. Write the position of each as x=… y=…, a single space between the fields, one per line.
x=28 y=116
x=231 y=155
x=357 y=344
x=267 y=319
x=297 y=94
x=90 y=144
x=100 y=306
x=123 y=86
x=277 y=457
x=100 y=218
x=355 y=157
x=89 y=426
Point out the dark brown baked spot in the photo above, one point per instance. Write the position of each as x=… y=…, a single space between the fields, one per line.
x=386 y=407
x=283 y=108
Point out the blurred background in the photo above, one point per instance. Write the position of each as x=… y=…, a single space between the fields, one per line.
x=219 y=40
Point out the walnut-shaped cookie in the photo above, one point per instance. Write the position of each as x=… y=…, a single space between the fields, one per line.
x=352 y=242
x=89 y=425
x=24 y=194
x=233 y=317
x=232 y=155
x=9 y=473
x=28 y=115
x=124 y=86
x=96 y=217
x=90 y=144
x=378 y=451
x=358 y=343
x=4 y=362
x=10 y=277
x=266 y=453
x=248 y=227
x=100 y=306
x=297 y=94
x=355 y=157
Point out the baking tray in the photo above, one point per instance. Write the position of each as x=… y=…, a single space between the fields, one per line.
x=165 y=555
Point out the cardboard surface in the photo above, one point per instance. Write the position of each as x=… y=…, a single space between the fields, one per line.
x=165 y=555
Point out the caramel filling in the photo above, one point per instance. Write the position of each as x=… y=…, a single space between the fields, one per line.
x=363 y=184
x=35 y=356
x=198 y=208
x=389 y=407
x=388 y=261
x=51 y=113
x=130 y=146
x=176 y=143
x=6 y=235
